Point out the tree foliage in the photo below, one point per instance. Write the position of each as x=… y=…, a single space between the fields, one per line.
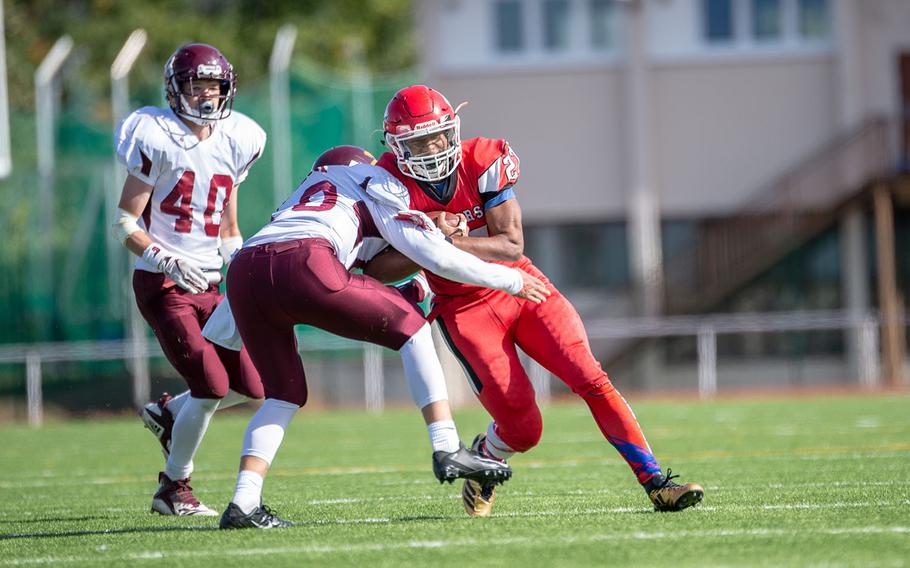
x=330 y=32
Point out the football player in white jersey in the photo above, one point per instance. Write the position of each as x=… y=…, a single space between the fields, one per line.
x=178 y=215
x=295 y=270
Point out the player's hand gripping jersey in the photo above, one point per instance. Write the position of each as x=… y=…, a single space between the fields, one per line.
x=488 y=170
x=193 y=181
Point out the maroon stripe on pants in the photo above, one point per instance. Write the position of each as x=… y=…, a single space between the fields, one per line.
x=272 y=287
x=177 y=318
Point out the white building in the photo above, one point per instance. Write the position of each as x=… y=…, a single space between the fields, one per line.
x=644 y=126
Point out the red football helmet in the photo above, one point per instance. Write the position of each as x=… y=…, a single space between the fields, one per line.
x=417 y=119
x=343 y=156
x=194 y=62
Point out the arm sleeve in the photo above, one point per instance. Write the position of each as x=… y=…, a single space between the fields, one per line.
x=429 y=249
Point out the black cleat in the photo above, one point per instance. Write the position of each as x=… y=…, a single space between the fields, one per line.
x=260 y=518
x=469 y=464
x=159 y=421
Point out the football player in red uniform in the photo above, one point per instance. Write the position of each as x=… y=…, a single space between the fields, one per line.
x=476 y=178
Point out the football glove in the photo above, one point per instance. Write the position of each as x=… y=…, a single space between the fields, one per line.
x=183 y=272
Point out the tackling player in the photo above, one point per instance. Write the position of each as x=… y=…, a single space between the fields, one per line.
x=483 y=327
x=295 y=271
x=178 y=214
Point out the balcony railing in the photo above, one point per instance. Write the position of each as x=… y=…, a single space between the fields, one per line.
x=730 y=251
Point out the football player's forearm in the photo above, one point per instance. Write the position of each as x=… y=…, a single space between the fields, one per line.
x=137 y=242
x=498 y=247
x=390 y=266
x=448 y=261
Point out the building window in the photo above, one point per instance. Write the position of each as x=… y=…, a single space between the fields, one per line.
x=601 y=18
x=509 y=25
x=555 y=24
x=813 y=19
x=718 y=20
x=607 y=267
x=751 y=24
x=766 y=19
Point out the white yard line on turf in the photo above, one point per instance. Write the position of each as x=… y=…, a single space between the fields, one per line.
x=536 y=541
x=69 y=478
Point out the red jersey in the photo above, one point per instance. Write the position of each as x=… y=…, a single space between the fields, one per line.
x=488 y=170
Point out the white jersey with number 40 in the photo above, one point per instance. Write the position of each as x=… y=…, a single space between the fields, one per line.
x=193 y=180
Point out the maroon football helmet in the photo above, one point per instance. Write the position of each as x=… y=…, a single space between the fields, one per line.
x=343 y=156
x=194 y=62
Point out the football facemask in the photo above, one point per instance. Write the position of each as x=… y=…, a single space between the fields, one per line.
x=418 y=152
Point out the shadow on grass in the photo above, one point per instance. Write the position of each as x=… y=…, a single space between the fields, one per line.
x=131 y=530
x=124 y=530
x=53 y=520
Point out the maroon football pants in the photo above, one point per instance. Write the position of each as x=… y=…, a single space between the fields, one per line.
x=274 y=286
x=177 y=318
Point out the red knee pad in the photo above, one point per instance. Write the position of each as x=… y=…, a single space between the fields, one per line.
x=523 y=434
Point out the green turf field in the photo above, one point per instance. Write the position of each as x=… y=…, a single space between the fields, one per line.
x=802 y=482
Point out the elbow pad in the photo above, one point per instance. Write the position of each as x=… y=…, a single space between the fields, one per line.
x=229 y=246
x=125 y=225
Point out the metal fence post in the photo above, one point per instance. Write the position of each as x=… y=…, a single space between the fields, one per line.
x=869 y=364
x=707 y=362
x=280 y=93
x=373 y=377
x=120 y=106
x=135 y=325
x=47 y=91
x=6 y=161
x=33 y=389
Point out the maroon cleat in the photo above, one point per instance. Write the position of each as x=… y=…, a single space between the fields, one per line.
x=160 y=422
x=176 y=498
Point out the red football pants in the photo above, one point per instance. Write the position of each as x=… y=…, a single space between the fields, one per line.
x=483 y=330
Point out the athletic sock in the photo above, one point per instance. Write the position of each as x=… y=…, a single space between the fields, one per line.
x=189 y=428
x=444 y=436
x=266 y=429
x=654 y=482
x=233 y=398
x=176 y=403
x=248 y=491
x=426 y=380
x=495 y=447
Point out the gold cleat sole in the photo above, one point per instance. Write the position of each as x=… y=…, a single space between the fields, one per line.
x=474 y=503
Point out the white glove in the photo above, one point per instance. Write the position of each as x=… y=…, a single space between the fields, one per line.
x=183 y=272
x=420 y=219
x=229 y=246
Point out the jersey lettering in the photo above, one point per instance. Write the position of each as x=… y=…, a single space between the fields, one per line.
x=329 y=198
x=510 y=162
x=219 y=181
x=179 y=202
x=474 y=213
